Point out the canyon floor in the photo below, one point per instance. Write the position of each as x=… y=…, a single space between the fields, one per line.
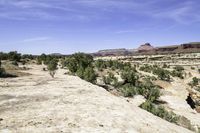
x=38 y=103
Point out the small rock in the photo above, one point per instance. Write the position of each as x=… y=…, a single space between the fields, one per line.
x=100 y=125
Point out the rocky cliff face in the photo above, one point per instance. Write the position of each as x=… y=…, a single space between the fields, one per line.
x=113 y=52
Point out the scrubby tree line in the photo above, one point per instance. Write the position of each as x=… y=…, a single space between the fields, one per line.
x=12 y=56
x=162 y=73
x=81 y=65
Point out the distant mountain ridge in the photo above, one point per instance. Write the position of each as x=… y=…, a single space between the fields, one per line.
x=147 y=48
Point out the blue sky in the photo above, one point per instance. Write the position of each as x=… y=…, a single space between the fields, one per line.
x=68 y=26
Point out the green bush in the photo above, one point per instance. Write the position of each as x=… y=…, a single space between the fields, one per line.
x=130 y=76
x=2 y=72
x=197 y=89
x=179 y=68
x=100 y=64
x=72 y=64
x=80 y=72
x=149 y=90
x=128 y=90
x=89 y=75
x=82 y=65
x=146 y=68
x=193 y=68
x=194 y=82
x=178 y=72
x=79 y=60
x=165 y=66
x=162 y=74
x=199 y=70
x=110 y=79
x=14 y=56
x=52 y=67
x=160 y=112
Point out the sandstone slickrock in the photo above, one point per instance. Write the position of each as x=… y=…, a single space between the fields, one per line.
x=38 y=103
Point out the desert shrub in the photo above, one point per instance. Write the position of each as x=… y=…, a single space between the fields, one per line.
x=146 y=68
x=100 y=64
x=2 y=72
x=27 y=56
x=46 y=59
x=165 y=66
x=78 y=60
x=162 y=74
x=194 y=82
x=178 y=72
x=197 y=89
x=153 y=94
x=110 y=79
x=193 y=68
x=90 y=75
x=80 y=72
x=82 y=65
x=148 y=106
x=52 y=67
x=199 y=70
x=39 y=61
x=179 y=68
x=3 y=56
x=130 y=76
x=71 y=64
x=14 y=56
x=112 y=64
x=151 y=78
x=149 y=90
x=160 y=112
x=128 y=90
x=15 y=63
x=23 y=62
x=83 y=60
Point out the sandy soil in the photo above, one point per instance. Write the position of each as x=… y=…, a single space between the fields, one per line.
x=39 y=104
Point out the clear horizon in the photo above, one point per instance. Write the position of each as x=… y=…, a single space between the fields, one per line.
x=68 y=26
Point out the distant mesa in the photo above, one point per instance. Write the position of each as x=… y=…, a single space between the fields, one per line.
x=113 y=52
x=145 y=47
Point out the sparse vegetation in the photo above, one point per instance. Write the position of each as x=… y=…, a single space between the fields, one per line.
x=160 y=111
x=162 y=74
x=178 y=72
x=194 y=82
x=110 y=79
x=146 y=68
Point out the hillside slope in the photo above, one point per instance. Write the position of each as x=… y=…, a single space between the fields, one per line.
x=38 y=103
